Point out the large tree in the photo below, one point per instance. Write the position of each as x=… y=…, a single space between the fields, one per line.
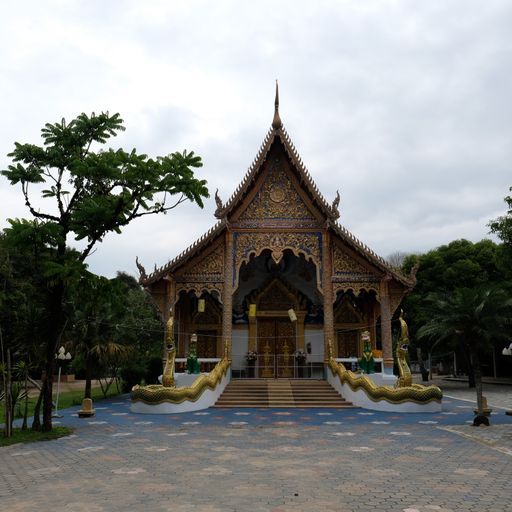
x=94 y=191
x=475 y=317
x=502 y=226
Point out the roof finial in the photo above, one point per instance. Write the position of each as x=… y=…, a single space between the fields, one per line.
x=276 y=122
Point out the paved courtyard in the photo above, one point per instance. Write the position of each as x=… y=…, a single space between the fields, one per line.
x=265 y=460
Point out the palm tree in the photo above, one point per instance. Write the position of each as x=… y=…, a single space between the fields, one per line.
x=475 y=317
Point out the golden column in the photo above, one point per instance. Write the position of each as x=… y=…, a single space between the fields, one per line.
x=169 y=303
x=328 y=293
x=385 y=325
x=227 y=296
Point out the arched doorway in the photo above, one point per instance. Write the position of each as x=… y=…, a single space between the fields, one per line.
x=278 y=299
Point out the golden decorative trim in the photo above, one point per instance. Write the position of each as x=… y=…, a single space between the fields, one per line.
x=254 y=243
x=157 y=394
x=199 y=287
x=210 y=264
x=277 y=198
x=356 y=287
x=415 y=393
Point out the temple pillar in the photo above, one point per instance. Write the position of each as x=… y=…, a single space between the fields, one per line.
x=227 y=296
x=328 y=294
x=385 y=325
x=301 y=316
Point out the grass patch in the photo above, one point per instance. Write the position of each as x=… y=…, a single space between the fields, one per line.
x=66 y=399
x=29 y=436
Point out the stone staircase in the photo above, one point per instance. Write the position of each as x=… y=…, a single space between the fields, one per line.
x=305 y=393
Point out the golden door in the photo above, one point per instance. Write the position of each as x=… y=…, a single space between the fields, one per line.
x=276 y=346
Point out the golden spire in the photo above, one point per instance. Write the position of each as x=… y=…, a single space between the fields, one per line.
x=276 y=122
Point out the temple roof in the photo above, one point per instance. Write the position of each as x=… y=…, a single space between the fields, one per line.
x=223 y=211
x=277 y=132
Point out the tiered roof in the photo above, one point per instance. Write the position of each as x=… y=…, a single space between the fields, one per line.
x=330 y=211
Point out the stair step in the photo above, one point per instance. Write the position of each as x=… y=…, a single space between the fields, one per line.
x=285 y=393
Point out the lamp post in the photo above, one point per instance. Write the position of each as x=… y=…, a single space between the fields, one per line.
x=507 y=351
x=62 y=358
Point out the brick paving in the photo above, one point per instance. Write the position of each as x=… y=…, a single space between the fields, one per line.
x=264 y=460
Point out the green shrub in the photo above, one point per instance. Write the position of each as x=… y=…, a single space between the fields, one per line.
x=154 y=370
x=131 y=375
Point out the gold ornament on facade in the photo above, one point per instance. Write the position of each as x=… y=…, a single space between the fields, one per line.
x=277 y=199
x=357 y=287
x=343 y=263
x=267 y=370
x=211 y=264
x=198 y=288
x=254 y=243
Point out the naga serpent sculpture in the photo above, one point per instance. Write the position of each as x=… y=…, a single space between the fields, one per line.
x=156 y=394
x=402 y=349
x=404 y=391
x=168 y=376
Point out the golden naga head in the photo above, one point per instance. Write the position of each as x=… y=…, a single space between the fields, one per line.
x=403 y=342
x=169 y=331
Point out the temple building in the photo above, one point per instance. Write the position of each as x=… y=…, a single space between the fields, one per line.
x=277 y=274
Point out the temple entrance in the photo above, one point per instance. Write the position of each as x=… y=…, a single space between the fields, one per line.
x=276 y=347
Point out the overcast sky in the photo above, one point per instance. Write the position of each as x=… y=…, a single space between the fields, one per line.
x=404 y=106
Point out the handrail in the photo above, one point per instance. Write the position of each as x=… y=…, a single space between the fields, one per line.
x=157 y=394
x=414 y=393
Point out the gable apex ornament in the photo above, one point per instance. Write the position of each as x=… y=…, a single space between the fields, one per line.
x=335 y=206
x=142 y=271
x=276 y=122
x=219 y=212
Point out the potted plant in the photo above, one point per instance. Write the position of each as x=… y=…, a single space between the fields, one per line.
x=300 y=360
x=251 y=358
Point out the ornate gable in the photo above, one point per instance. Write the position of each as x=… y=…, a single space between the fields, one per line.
x=347 y=266
x=277 y=202
x=205 y=272
x=208 y=266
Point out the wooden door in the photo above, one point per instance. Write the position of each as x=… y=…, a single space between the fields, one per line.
x=276 y=346
x=348 y=343
x=207 y=343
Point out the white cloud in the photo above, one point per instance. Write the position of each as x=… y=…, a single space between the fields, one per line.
x=404 y=107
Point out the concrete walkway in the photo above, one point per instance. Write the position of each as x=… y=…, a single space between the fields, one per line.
x=264 y=460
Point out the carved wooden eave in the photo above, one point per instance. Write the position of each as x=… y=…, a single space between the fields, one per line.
x=192 y=250
x=372 y=257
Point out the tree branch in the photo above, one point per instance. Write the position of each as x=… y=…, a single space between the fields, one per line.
x=35 y=213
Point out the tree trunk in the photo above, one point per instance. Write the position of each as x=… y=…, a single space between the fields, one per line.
x=88 y=376
x=36 y=422
x=475 y=360
x=25 y=411
x=469 y=363
x=8 y=398
x=56 y=325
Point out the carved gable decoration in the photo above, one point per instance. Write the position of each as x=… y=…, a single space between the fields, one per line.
x=344 y=264
x=209 y=267
x=277 y=200
x=275 y=297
